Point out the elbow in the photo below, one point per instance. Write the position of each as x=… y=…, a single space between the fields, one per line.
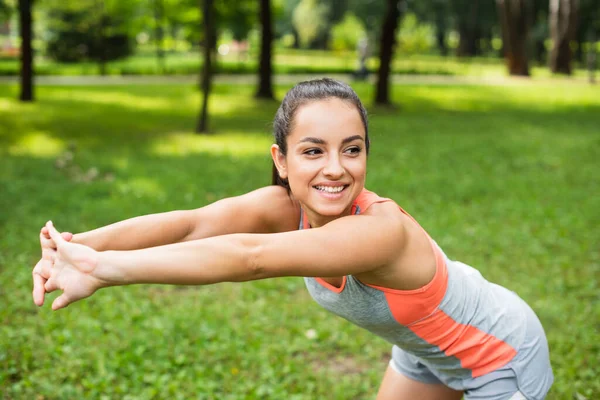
x=253 y=262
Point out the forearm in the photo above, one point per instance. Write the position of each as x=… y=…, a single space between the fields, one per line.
x=137 y=233
x=198 y=262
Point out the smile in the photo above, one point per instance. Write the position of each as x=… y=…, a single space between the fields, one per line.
x=331 y=189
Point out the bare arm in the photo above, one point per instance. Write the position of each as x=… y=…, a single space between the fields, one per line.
x=349 y=245
x=265 y=210
x=262 y=211
x=138 y=232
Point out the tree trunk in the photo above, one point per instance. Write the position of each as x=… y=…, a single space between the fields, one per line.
x=207 y=13
x=265 y=72
x=515 y=31
x=386 y=51
x=563 y=26
x=26 y=32
x=591 y=56
x=159 y=35
x=296 y=44
x=440 y=30
x=540 y=52
x=102 y=37
x=469 y=32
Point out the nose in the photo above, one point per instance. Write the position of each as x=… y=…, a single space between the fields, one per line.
x=333 y=168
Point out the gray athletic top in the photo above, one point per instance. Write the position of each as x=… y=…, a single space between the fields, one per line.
x=459 y=325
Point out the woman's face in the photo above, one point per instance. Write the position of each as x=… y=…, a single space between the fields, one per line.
x=326 y=159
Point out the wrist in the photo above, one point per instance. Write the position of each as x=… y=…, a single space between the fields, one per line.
x=109 y=270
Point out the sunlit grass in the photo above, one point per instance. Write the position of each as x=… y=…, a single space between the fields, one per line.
x=235 y=144
x=288 y=61
x=504 y=178
x=37 y=144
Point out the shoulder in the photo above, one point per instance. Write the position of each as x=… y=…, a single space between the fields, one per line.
x=390 y=218
x=265 y=210
x=374 y=205
x=273 y=204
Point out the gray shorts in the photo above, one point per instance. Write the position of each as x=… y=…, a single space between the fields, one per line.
x=527 y=376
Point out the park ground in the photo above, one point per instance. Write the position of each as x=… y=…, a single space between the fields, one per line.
x=505 y=177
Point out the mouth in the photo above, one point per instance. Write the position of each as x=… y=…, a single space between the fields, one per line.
x=330 y=189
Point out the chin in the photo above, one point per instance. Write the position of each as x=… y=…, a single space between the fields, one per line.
x=332 y=210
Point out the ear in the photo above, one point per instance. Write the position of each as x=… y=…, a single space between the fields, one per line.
x=279 y=160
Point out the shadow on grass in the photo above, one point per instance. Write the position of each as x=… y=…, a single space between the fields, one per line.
x=507 y=187
x=102 y=117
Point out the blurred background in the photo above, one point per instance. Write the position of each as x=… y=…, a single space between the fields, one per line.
x=485 y=125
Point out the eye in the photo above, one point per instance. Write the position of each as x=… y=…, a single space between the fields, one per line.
x=312 y=152
x=354 y=150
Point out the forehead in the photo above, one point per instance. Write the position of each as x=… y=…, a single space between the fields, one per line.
x=328 y=117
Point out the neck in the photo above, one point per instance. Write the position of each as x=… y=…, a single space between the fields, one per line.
x=315 y=220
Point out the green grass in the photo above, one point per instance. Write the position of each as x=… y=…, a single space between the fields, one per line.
x=505 y=179
x=284 y=62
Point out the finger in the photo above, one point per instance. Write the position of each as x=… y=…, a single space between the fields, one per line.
x=49 y=255
x=51 y=285
x=55 y=235
x=39 y=291
x=46 y=240
x=60 y=302
x=45 y=270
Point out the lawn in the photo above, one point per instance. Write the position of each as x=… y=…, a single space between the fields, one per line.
x=504 y=178
x=285 y=61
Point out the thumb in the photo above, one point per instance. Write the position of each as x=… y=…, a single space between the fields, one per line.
x=67 y=236
x=55 y=235
x=60 y=302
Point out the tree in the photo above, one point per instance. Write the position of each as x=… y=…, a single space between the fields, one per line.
x=95 y=30
x=370 y=12
x=159 y=33
x=539 y=31
x=265 y=89
x=26 y=29
x=236 y=16
x=514 y=21
x=386 y=51
x=563 y=26
x=310 y=19
x=209 y=40
x=590 y=24
x=5 y=11
x=474 y=21
x=441 y=26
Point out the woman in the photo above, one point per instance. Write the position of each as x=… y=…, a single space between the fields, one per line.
x=362 y=256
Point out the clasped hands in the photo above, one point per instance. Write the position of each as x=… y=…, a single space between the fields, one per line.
x=65 y=266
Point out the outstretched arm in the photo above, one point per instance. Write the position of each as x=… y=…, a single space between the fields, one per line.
x=256 y=212
x=268 y=209
x=348 y=245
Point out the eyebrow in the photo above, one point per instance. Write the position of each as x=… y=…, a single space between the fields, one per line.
x=321 y=141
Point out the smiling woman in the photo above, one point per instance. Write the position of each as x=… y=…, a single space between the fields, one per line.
x=362 y=258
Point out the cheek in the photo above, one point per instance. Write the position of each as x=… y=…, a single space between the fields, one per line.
x=357 y=167
x=302 y=169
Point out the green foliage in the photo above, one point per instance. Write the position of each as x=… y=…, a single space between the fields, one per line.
x=89 y=30
x=415 y=37
x=237 y=16
x=346 y=34
x=371 y=13
x=505 y=178
x=7 y=7
x=310 y=21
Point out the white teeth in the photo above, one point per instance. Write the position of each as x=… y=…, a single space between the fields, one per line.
x=330 y=189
